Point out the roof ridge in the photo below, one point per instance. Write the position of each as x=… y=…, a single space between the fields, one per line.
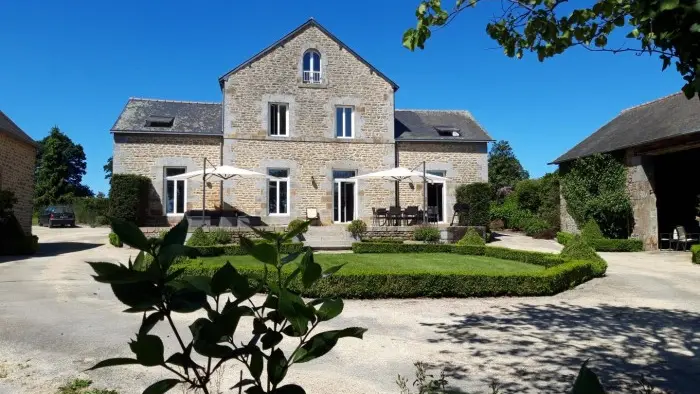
x=175 y=101
x=650 y=102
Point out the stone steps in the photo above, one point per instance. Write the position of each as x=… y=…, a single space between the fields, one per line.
x=333 y=237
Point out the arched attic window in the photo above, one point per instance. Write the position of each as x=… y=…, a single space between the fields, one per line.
x=312 y=66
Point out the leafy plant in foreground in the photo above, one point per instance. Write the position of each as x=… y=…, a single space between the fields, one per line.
x=158 y=292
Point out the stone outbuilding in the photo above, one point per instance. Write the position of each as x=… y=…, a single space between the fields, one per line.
x=309 y=111
x=17 y=158
x=659 y=143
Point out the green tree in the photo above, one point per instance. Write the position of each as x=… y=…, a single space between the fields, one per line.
x=108 y=168
x=60 y=167
x=669 y=29
x=504 y=167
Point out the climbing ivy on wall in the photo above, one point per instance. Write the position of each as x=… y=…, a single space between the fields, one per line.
x=595 y=187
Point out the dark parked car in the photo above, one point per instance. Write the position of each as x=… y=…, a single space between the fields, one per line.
x=56 y=215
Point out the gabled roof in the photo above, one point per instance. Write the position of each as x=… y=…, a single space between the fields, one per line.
x=9 y=127
x=437 y=125
x=667 y=117
x=188 y=117
x=310 y=23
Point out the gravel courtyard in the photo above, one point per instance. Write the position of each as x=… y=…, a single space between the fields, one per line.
x=642 y=318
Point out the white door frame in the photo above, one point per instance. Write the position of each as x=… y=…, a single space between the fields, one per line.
x=337 y=201
x=444 y=195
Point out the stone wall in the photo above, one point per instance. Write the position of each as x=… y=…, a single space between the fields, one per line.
x=640 y=186
x=17 y=161
x=568 y=224
x=149 y=154
x=310 y=166
x=462 y=163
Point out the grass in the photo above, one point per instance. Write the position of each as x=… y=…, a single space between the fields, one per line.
x=82 y=386
x=435 y=263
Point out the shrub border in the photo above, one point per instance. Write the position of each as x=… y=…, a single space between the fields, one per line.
x=695 y=253
x=237 y=250
x=606 y=244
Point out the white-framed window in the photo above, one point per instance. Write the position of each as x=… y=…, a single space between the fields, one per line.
x=175 y=191
x=344 y=122
x=279 y=119
x=278 y=191
x=311 y=66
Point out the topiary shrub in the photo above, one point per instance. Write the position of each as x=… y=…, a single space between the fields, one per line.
x=564 y=238
x=476 y=196
x=220 y=236
x=591 y=231
x=357 y=228
x=128 y=197
x=695 y=251
x=528 y=194
x=296 y=223
x=426 y=234
x=472 y=237
x=200 y=238
x=115 y=241
x=578 y=249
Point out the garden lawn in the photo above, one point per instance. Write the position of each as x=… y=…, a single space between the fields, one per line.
x=391 y=263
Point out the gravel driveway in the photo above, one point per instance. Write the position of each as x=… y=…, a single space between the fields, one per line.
x=643 y=317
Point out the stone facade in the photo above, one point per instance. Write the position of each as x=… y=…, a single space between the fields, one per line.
x=311 y=150
x=17 y=162
x=150 y=154
x=462 y=163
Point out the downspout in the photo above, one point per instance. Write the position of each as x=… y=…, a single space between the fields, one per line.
x=221 y=147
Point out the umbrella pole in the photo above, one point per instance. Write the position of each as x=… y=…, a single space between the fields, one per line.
x=396 y=190
x=204 y=187
x=425 y=195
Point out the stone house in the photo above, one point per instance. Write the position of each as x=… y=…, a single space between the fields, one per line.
x=17 y=158
x=659 y=143
x=307 y=110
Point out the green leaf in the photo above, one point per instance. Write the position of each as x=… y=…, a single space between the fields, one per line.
x=267 y=235
x=168 y=253
x=587 y=382
x=265 y=252
x=242 y=383
x=256 y=363
x=259 y=327
x=291 y=257
x=129 y=234
x=288 y=389
x=270 y=339
x=332 y=270
x=113 y=362
x=296 y=231
x=667 y=5
x=182 y=360
x=310 y=270
x=161 y=387
x=177 y=234
x=222 y=279
x=115 y=273
x=288 y=307
x=276 y=366
x=148 y=349
x=292 y=276
x=228 y=321
x=330 y=309
x=149 y=322
x=140 y=262
x=199 y=282
x=322 y=343
x=140 y=295
x=187 y=300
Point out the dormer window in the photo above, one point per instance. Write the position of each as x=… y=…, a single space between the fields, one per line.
x=447 y=131
x=159 y=121
x=312 y=67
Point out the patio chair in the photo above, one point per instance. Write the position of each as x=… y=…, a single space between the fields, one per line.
x=313 y=215
x=378 y=216
x=410 y=214
x=432 y=214
x=680 y=237
x=666 y=237
x=394 y=216
x=458 y=208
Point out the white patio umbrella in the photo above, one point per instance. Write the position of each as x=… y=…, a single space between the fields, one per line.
x=223 y=172
x=401 y=174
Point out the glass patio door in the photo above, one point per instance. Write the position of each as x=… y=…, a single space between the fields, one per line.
x=343 y=196
x=436 y=195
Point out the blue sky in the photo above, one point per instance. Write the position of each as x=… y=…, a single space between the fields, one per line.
x=75 y=63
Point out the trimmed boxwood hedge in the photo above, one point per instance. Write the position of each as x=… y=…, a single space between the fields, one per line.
x=695 y=251
x=606 y=244
x=428 y=284
x=237 y=250
x=128 y=197
x=538 y=258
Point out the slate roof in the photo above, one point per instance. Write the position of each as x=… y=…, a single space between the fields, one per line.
x=9 y=127
x=437 y=125
x=310 y=23
x=667 y=117
x=190 y=117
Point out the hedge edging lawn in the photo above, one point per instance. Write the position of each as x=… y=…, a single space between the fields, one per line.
x=426 y=284
x=606 y=244
x=538 y=258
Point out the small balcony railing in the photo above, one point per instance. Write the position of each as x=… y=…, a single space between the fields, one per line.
x=312 y=77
